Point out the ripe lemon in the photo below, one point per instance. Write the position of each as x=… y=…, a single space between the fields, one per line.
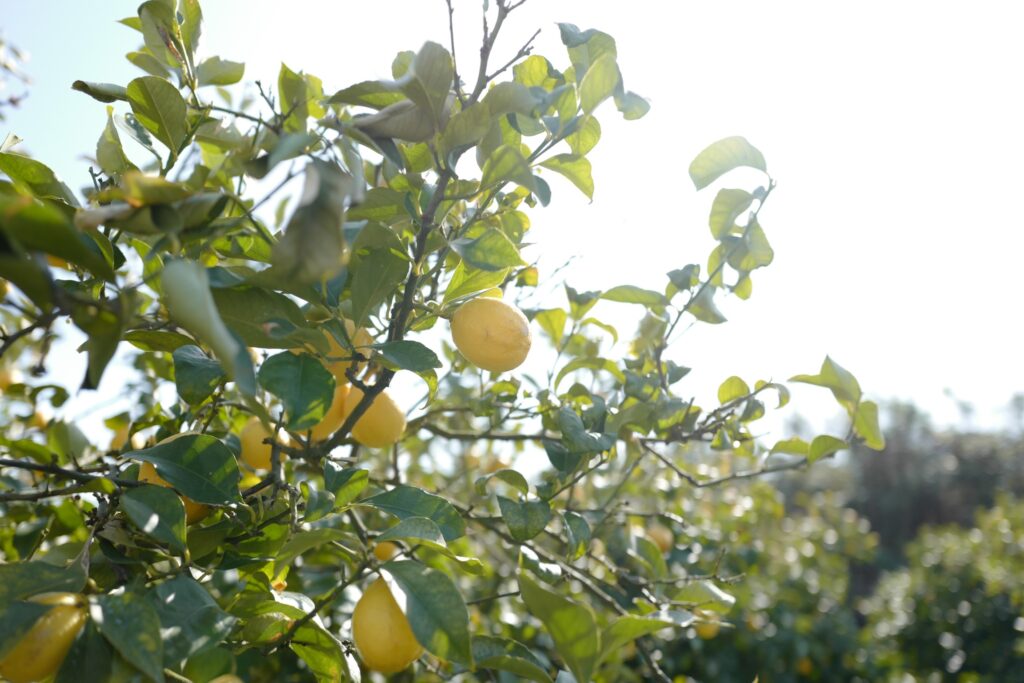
x=491 y=334
x=382 y=424
x=706 y=630
x=385 y=550
x=256 y=453
x=42 y=650
x=334 y=416
x=662 y=536
x=382 y=632
x=358 y=337
x=120 y=438
x=194 y=511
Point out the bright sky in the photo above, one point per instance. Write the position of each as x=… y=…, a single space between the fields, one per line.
x=893 y=131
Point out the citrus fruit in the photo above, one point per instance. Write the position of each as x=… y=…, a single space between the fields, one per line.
x=256 y=453
x=381 y=631
x=662 y=536
x=385 y=550
x=42 y=650
x=381 y=425
x=491 y=334
x=334 y=416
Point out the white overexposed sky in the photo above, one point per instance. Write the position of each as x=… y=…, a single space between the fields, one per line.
x=893 y=130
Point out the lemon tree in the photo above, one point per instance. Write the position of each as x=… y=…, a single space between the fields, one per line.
x=280 y=503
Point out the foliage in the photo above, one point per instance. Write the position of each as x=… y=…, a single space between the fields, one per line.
x=955 y=613
x=513 y=496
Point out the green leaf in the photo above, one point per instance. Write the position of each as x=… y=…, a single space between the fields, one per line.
x=313 y=245
x=373 y=94
x=865 y=423
x=605 y=364
x=524 y=520
x=161 y=31
x=129 y=622
x=507 y=163
x=823 y=446
x=599 y=82
x=726 y=208
x=109 y=152
x=217 y=71
x=407 y=355
x=196 y=375
x=491 y=251
x=406 y=501
x=510 y=477
x=89 y=660
x=420 y=529
x=428 y=81
x=262 y=318
x=571 y=625
x=35 y=178
x=345 y=483
x=157 y=511
x=435 y=609
x=302 y=383
x=706 y=596
x=466 y=128
x=157 y=340
x=467 y=280
x=161 y=109
x=374 y=280
x=381 y=204
x=792 y=446
x=703 y=307
x=732 y=389
x=750 y=251
x=574 y=167
x=627 y=628
x=191 y=24
x=19 y=580
x=838 y=380
x=552 y=321
x=104 y=92
x=631 y=105
x=576 y=437
x=685 y=278
x=508 y=655
x=577 y=534
x=629 y=294
x=585 y=137
x=303 y=541
x=197 y=465
x=510 y=98
x=723 y=156
x=19 y=618
x=191 y=621
x=301 y=95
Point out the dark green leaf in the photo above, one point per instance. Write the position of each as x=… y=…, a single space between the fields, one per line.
x=576 y=437
x=491 y=251
x=419 y=529
x=571 y=625
x=508 y=655
x=262 y=318
x=435 y=609
x=129 y=622
x=198 y=465
x=19 y=580
x=161 y=109
x=18 y=618
x=345 y=484
x=510 y=477
x=524 y=520
x=577 y=534
x=89 y=660
x=407 y=501
x=157 y=340
x=191 y=622
x=408 y=355
x=196 y=375
x=302 y=383
x=159 y=512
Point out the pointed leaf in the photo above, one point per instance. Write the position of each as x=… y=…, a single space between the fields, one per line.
x=436 y=610
x=723 y=156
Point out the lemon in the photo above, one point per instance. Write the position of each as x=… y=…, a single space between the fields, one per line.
x=256 y=453
x=381 y=631
x=385 y=550
x=42 y=650
x=358 y=337
x=193 y=511
x=9 y=376
x=491 y=334
x=662 y=536
x=334 y=416
x=707 y=630
x=382 y=424
x=120 y=438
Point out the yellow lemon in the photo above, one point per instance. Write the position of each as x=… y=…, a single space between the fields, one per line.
x=707 y=630
x=385 y=550
x=491 y=334
x=382 y=632
x=193 y=511
x=334 y=416
x=57 y=262
x=42 y=650
x=8 y=377
x=358 y=337
x=381 y=425
x=662 y=536
x=120 y=438
x=256 y=453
